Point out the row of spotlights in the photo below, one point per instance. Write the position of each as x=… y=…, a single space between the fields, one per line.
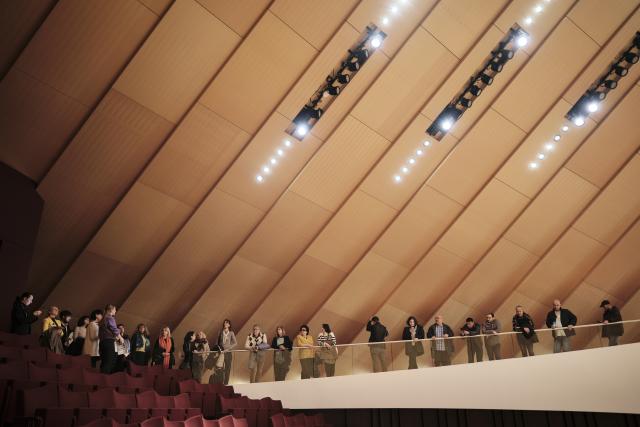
x=547 y=148
x=394 y=9
x=411 y=161
x=537 y=9
x=273 y=161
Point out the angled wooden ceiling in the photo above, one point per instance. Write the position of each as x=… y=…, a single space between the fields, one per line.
x=144 y=123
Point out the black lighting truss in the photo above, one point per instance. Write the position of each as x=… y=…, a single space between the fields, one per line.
x=608 y=81
x=515 y=38
x=335 y=82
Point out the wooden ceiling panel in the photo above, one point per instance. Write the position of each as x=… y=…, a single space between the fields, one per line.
x=240 y=16
x=293 y=222
x=340 y=164
x=19 y=20
x=596 y=20
x=551 y=212
x=417 y=227
x=401 y=24
x=585 y=300
x=476 y=157
x=267 y=63
x=314 y=21
x=609 y=146
x=195 y=156
x=615 y=208
x=159 y=7
x=38 y=120
x=351 y=231
x=406 y=84
x=189 y=45
x=563 y=267
x=381 y=184
x=495 y=276
x=456 y=23
x=548 y=73
x=483 y=221
x=89 y=178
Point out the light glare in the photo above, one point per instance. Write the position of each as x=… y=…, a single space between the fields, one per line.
x=302 y=129
x=280 y=152
x=540 y=156
x=419 y=152
x=397 y=178
x=446 y=124
x=273 y=161
x=522 y=40
x=592 y=107
x=578 y=121
x=556 y=138
x=549 y=146
x=533 y=165
x=538 y=8
x=405 y=169
x=528 y=20
x=565 y=128
x=412 y=160
x=287 y=143
x=259 y=178
x=385 y=20
x=376 y=42
x=426 y=143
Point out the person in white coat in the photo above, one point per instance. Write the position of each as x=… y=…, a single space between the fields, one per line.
x=91 y=344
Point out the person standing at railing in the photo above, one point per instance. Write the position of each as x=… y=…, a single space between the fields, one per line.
x=282 y=345
x=327 y=354
x=490 y=328
x=200 y=354
x=108 y=333
x=227 y=341
x=256 y=343
x=611 y=314
x=22 y=316
x=442 y=346
x=306 y=353
x=523 y=324
x=414 y=332
x=377 y=334
x=562 y=321
x=163 y=352
x=472 y=330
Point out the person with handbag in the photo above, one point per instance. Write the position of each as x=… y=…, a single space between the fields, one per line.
x=471 y=330
x=256 y=343
x=282 y=345
x=306 y=352
x=523 y=323
x=413 y=332
x=327 y=354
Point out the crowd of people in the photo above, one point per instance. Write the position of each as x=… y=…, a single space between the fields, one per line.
x=99 y=336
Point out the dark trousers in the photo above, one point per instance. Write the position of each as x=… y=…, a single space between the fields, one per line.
x=306 y=366
x=526 y=346
x=228 y=359
x=108 y=356
x=329 y=368
x=280 y=371
x=493 y=351
x=441 y=358
x=613 y=340
x=94 y=361
x=474 y=350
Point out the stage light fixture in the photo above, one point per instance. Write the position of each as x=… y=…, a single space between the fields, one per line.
x=405 y=170
x=301 y=130
x=630 y=57
x=565 y=128
x=466 y=103
x=538 y=8
x=385 y=20
x=549 y=146
x=505 y=54
x=280 y=152
x=620 y=70
x=556 y=138
x=486 y=79
x=287 y=143
x=578 y=121
x=259 y=178
x=376 y=42
x=412 y=161
x=266 y=169
x=475 y=90
x=533 y=165
x=496 y=66
x=610 y=84
x=540 y=156
x=343 y=79
x=419 y=152
x=426 y=143
x=352 y=66
x=592 y=106
x=522 y=40
x=397 y=178
x=528 y=20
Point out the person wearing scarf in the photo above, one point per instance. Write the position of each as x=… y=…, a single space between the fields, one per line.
x=163 y=350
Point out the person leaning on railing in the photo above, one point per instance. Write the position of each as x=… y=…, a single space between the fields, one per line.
x=327 y=353
x=611 y=314
x=441 y=348
x=306 y=353
x=523 y=323
x=413 y=332
x=256 y=343
x=490 y=328
x=562 y=321
x=282 y=345
x=377 y=334
x=471 y=330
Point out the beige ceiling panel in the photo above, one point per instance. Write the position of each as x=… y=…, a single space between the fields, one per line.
x=598 y=21
x=615 y=208
x=159 y=7
x=456 y=24
x=548 y=73
x=381 y=183
x=240 y=16
x=293 y=222
x=417 y=227
x=430 y=283
x=240 y=179
x=200 y=250
x=405 y=85
x=609 y=147
x=195 y=156
x=602 y=62
x=144 y=221
x=476 y=158
x=516 y=172
x=366 y=288
x=178 y=60
x=314 y=21
x=90 y=177
x=619 y=273
x=267 y=63
x=340 y=164
x=310 y=282
x=19 y=20
x=62 y=53
x=483 y=221
x=551 y=212
x=495 y=276
x=37 y=120
x=563 y=267
x=585 y=301
x=351 y=232
x=401 y=24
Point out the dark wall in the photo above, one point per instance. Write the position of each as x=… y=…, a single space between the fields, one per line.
x=20 y=211
x=472 y=418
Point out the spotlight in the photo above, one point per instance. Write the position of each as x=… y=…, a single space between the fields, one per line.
x=466 y=103
x=486 y=79
x=287 y=143
x=405 y=170
x=540 y=156
x=578 y=121
x=446 y=124
x=412 y=161
x=475 y=90
x=397 y=178
x=533 y=165
x=343 y=78
x=385 y=20
x=505 y=55
x=361 y=56
x=522 y=40
x=273 y=161
x=565 y=128
x=549 y=146
x=496 y=66
x=376 y=42
x=266 y=169
x=610 y=84
x=620 y=70
x=426 y=143
x=419 y=152
x=538 y=8
x=279 y=152
x=592 y=106
x=556 y=138
x=528 y=20
x=630 y=57
x=259 y=178
x=302 y=129
x=352 y=66
x=332 y=90
x=394 y=9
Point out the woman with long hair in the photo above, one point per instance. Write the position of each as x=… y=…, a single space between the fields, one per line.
x=227 y=342
x=282 y=345
x=187 y=350
x=328 y=352
x=163 y=350
x=200 y=355
x=413 y=332
x=79 y=335
x=140 y=346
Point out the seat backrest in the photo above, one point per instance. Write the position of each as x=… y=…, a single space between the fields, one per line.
x=93 y=378
x=103 y=398
x=82 y=361
x=36 y=373
x=10 y=352
x=226 y=421
x=59 y=359
x=124 y=401
x=276 y=405
x=227 y=404
x=72 y=399
x=116 y=379
x=13 y=370
x=265 y=403
x=171 y=423
x=252 y=403
x=153 y=422
x=101 y=422
x=27 y=341
x=195 y=421
x=277 y=420
x=34 y=354
x=71 y=375
x=146 y=399
x=41 y=397
x=182 y=401
x=240 y=422
x=210 y=423
x=138 y=382
x=186 y=386
x=164 y=401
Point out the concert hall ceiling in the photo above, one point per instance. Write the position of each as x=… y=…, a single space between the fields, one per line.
x=145 y=123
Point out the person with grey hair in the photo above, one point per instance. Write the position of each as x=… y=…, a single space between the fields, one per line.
x=523 y=324
x=562 y=321
x=442 y=345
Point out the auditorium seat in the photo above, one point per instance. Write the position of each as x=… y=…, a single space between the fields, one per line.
x=60 y=360
x=29 y=399
x=277 y=420
x=226 y=421
x=37 y=354
x=104 y=398
x=10 y=352
x=153 y=422
x=14 y=370
x=73 y=375
x=56 y=417
x=93 y=378
x=72 y=399
x=37 y=373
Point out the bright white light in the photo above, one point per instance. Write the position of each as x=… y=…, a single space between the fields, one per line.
x=538 y=8
x=385 y=20
x=565 y=128
x=259 y=178
x=592 y=107
x=540 y=156
x=397 y=178
x=405 y=169
x=287 y=143
x=394 y=9
x=426 y=143
x=376 y=41
x=266 y=169
x=549 y=146
x=533 y=165
x=302 y=129
x=412 y=161
x=280 y=152
x=273 y=161
x=556 y=138
x=419 y=152
x=528 y=20
x=578 y=121
x=522 y=40
x=446 y=124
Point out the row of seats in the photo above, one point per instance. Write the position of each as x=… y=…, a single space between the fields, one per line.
x=196 y=421
x=43 y=356
x=206 y=396
x=298 y=420
x=256 y=411
x=13 y=340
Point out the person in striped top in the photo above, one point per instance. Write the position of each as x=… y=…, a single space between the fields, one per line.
x=328 y=352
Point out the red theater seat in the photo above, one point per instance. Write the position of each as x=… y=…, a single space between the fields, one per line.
x=61 y=360
x=277 y=420
x=13 y=371
x=10 y=352
x=115 y=380
x=28 y=400
x=153 y=422
x=55 y=417
x=104 y=398
x=72 y=399
x=93 y=378
x=226 y=421
x=37 y=373
x=34 y=354
x=71 y=375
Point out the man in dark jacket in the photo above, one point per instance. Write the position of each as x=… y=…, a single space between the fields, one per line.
x=377 y=333
x=441 y=348
x=611 y=314
x=471 y=330
x=562 y=321
x=21 y=315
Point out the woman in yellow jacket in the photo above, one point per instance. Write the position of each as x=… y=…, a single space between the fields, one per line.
x=307 y=353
